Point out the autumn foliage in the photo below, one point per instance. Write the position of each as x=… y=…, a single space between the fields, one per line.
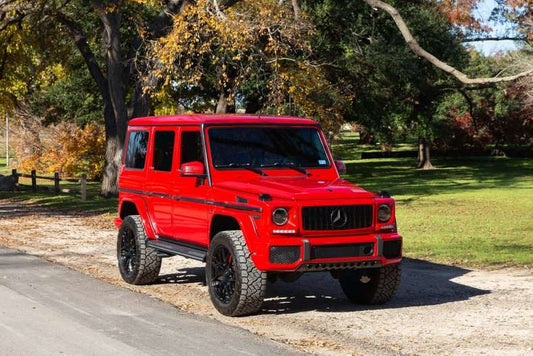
x=63 y=148
x=254 y=43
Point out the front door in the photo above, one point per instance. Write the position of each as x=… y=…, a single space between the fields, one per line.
x=160 y=179
x=190 y=212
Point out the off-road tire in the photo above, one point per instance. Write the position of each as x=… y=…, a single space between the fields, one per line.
x=147 y=263
x=379 y=289
x=249 y=283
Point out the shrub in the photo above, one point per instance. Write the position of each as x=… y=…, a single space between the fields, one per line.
x=64 y=148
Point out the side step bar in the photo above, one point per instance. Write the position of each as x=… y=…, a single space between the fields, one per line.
x=174 y=247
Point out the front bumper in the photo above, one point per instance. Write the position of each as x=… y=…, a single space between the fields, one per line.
x=301 y=254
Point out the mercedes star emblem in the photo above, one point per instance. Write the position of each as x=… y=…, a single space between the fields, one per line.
x=338 y=218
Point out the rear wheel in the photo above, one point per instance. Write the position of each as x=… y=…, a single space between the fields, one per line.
x=138 y=263
x=236 y=286
x=371 y=286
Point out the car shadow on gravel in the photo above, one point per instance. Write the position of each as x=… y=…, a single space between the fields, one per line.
x=183 y=276
x=423 y=283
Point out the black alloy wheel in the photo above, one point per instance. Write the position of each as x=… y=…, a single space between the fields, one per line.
x=128 y=253
x=223 y=272
x=236 y=286
x=137 y=262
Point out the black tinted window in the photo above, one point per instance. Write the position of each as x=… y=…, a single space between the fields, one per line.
x=163 y=150
x=267 y=147
x=191 y=147
x=136 y=153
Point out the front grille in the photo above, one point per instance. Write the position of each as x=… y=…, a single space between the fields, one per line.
x=342 y=251
x=337 y=217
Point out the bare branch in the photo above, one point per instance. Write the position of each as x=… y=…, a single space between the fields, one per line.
x=83 y=46
x=504 y=38
x=415 y=47
x=218 y=12
x=296 y=8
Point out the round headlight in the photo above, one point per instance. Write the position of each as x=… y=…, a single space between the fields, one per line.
x=280 y=216
x=384 y=213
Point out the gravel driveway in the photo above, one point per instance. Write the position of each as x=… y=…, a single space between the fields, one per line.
x=439 y=309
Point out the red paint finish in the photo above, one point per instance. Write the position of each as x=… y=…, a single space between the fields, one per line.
x=182 y=202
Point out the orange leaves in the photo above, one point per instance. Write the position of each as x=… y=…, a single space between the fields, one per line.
x=66 y=149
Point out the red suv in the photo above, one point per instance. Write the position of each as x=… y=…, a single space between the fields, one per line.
x=256 y=198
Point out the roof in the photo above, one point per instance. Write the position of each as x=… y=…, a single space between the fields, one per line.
x=198 y=119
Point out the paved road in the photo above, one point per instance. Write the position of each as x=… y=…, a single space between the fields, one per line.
x=47 y=309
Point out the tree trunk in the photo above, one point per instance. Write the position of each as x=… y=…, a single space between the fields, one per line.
x=113 y=156
x=424 y=160
x=116 y=78
x=420 y=157
x=112 y=152
x=222 y=105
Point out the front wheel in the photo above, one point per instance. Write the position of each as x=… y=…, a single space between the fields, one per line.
x=236 y=286
x=137 y=262
x=371 y=286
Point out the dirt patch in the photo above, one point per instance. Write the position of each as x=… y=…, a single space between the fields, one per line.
x=439 y=309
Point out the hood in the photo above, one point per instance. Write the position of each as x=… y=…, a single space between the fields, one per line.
x=298 y=188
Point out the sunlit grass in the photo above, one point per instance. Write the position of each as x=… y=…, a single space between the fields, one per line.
x=69 y=202
x=475 y=211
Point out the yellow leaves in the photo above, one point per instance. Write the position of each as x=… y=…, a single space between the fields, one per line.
x=202 y=44
x=69 y=150
x=257 y=41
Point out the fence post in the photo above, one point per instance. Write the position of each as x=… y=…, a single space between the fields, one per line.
x=15 y=176
x=83 y=186
x=56 y=182
x=33 y=180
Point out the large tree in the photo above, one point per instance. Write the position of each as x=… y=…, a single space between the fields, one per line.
x=109 y=36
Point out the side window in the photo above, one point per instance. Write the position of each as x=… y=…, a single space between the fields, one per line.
x=136 y=153
x=191 y=147
x=163 y=150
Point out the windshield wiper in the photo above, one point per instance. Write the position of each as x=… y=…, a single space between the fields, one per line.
x=287 y=165
x=247 y=166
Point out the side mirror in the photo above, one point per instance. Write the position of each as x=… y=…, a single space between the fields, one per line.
x=192 y=169
x=341 y=167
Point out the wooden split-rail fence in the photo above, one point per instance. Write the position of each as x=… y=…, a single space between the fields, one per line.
x=56 y=178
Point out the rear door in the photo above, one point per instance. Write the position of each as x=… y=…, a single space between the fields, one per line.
x=161 y=176
x=190 y=210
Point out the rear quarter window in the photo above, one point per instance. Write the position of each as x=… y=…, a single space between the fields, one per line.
x=136 y=151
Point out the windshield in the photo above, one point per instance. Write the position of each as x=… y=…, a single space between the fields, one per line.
x=267 y=147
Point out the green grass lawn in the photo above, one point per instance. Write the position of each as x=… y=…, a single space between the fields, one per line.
x=71 y=202
x=475 y=211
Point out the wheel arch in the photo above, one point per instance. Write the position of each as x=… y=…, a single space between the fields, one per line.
x=128 y=208
x=226 y=220
x=137 y=206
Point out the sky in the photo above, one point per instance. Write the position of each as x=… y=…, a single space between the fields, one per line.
x=492 y=47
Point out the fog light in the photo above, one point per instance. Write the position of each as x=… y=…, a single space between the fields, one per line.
x=284 y=254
